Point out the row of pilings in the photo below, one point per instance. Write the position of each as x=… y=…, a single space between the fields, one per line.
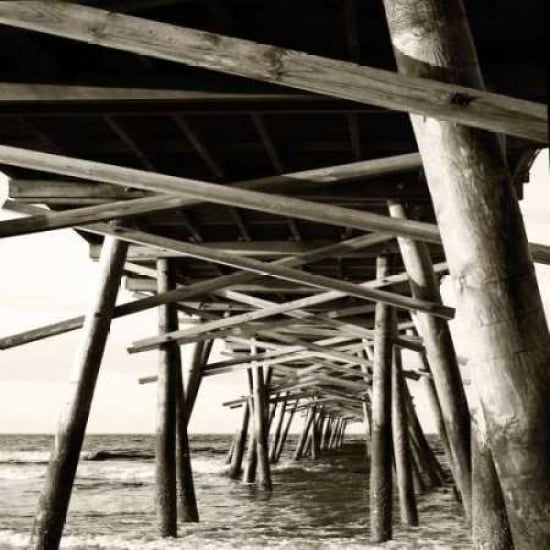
x=395 y=440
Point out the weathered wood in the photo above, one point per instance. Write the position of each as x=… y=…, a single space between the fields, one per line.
x=54 y=501
x=381 y=443
x=165 y=453
x=176 y=192
x=240 y=442
x=490 y=527
x=19 y=92
x=426 y=458
x=284 y=435
x=249 y=474
x=277 y=433
x=302 y=440
x=184 y=401
x=401 y=449
x=199 y=361
x=442 y=361
x=282 y=66
x=260 y=429
x=489 y=261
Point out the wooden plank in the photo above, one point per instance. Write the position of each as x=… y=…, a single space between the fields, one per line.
x=268 y=63
x=23 y=92
x=181 y=189
x=294 y=182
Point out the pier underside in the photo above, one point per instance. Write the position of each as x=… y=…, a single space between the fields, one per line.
x=293 y=178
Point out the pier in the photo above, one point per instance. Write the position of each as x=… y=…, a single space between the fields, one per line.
x=293 y=179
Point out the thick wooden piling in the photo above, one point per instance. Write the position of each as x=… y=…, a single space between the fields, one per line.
x=240 y=442
x=54 y=501
x=490 y=526
x=441 y=358
x=487 y=251
x=381 y=447
x=401 y=450
x=165 y=448
x=260 y=429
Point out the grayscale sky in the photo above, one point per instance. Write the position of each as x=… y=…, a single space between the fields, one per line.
x=49 y=277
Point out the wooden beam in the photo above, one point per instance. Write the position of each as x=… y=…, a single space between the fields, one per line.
x=181 y=190
x=183 y=187
x=23 y=92
x=178 y=295
x=290 y=68
x=265 y=249
x=293 y=182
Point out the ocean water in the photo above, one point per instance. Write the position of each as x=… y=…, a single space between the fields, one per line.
x=314 y=504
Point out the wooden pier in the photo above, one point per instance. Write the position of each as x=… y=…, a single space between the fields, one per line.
x=293 y=179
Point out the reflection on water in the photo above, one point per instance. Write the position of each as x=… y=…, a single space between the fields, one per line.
x=321 y=504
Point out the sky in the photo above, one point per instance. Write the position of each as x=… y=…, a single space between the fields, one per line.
x=49 y=277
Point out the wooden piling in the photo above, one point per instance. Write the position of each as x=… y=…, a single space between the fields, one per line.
x=240 y=442
x=490 y=526
x=298 y=452
x=335 y=432
x=249 y=474
x=229 y=454
x=285 y=432
x=188 y=501
x=277 y=433
x=54 y=500
x=381 y=450
x=260 y=429
x=486 y=246
x=401 y=450
x=441 y=358
x=165 y=447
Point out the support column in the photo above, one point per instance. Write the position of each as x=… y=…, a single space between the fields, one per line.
x=442 y=360
x=201 y=353
x=303 y=436
x=56 y=494
x=277 y=433
x=486 y=247
x=260 y=429
x=401 y=450
x=165 y=449
x=490 y=527
x=240 y=442
x=249 y=474
x=283 y=439
x=381 y=451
